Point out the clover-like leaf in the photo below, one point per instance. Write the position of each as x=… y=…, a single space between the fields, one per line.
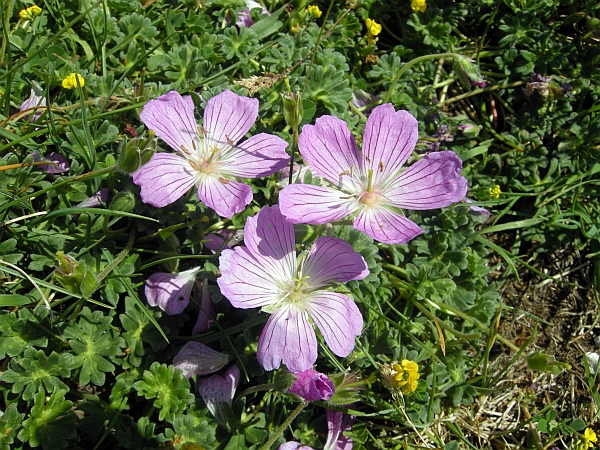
x=93 y=341
x=35 y=370
x=169 y=389
x=50 y=424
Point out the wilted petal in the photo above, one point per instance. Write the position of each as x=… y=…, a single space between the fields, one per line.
x=226 y=197
x=219 y=389
x=287 y=338
x=224 y=239
x=329 y=148
x=333 y=260
x=433 y=182
x=228 y=117
x=258 y=156
x=58 y=163
x=386 y=226
x=206 y=314
x=195 y=358
x=36 y=98
x=476 y=210
x=170 y=291
x=246 y=281
x=338 y=319
x=291 y=445
x=312 y=386
x=98 y=199
x=164 y=179
x=305 y=203
x=389 y=139
x=337 y=423
x=171 y=117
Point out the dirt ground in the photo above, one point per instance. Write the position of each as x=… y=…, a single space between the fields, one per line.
x=566 y=313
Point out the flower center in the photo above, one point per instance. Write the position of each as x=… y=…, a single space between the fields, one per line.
x=203 y=158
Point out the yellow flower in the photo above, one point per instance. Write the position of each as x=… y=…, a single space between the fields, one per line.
x=30 y=13
x=418 y=5
x=406 y=376
x=586 y=440
x=495 y=192
x=71 y=81
x=373 y=28
x=314 y=11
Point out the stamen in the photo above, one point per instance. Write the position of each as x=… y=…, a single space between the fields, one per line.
x=345 y=172
x=370 y=181
x=229 y=141
x=195 y=165
x=184 y=150
x=223 y=180
x=381 y=166
x=203 y=130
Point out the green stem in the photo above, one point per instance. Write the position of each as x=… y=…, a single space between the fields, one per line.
x=405 y=67
x=260 y=387
x=284 y=425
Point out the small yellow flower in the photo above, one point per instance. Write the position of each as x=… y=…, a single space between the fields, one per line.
x=418 y=5
x=314 y=11
x=406 y=376
x=586 y=440
x=30 y=13
x=494 y=192
x=373 y=28
x=71 y=81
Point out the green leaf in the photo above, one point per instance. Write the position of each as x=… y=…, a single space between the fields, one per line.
x=10 y=422
x=50 y=424
x=190 y=429
x=93 y=340
x=169 y=389
x=18 y=334
x=36 y=370
x=546 y=363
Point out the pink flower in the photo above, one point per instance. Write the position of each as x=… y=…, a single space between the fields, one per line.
x=206 y=314
x=267 y=274
x=370 y=184
x=312 y=386
x=195 y=358
x=219 y=389
x=210 y=158
x=170 y=291
x=337 y=423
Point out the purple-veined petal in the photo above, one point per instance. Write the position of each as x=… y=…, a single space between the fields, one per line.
x=433 y=182
x=206 y=314
x=219 y=389
x=287 y=338
x=271 y=239
x=195 y=358
x=258 y=156
x=170 y=291
x=338 y=319
x=312 y=386
x=246 y=281
x=337 y=423
x=171 y=117
x=224 y=239
x=228 y=117
x=329 y=148
x=306 y=203
x=389 y=139
x=386 y=226
x=333 y=260
x=226 y=197
x=164 y=179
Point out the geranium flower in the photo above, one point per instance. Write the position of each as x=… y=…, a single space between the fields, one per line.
x=36 y=98
x=57 y=163
x=170 y=291
x=370 y=184
x=209 y=158
x=267 y=274
x=337 y=423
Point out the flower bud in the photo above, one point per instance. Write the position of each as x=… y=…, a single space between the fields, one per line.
x=75 y=276
x=468 y=72
x=292 y=109
x=136 y=152
x=312 y=386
